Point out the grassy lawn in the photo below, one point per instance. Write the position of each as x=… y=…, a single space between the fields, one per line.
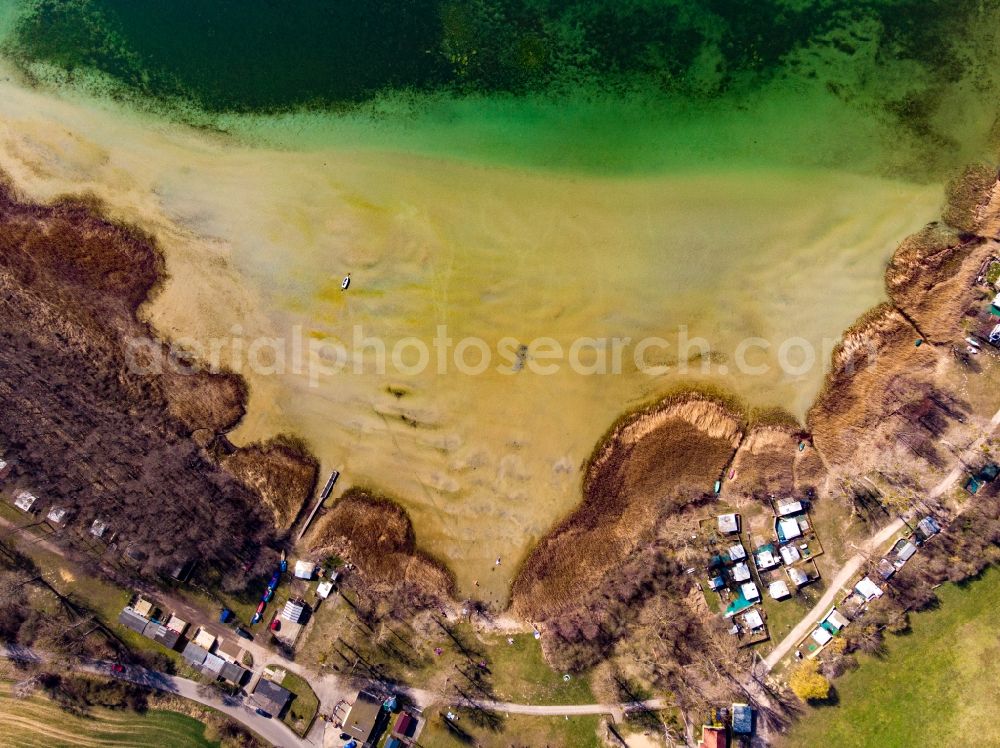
x=711 y=598
x=993 y=273
x=837 y=530
x=520 y=674
x=301 y=712
x=515 y=731
x=105 y=599
x=517 y=672
x=37 y=721
x=783 y=615
x=936 y=687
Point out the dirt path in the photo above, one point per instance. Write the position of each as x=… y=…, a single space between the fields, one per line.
x=331 y=688
x=836 y=587
x=571 y=709
x=854 y=563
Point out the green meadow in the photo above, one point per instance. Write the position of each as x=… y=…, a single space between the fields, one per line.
x=938 y=685
x=38 y=722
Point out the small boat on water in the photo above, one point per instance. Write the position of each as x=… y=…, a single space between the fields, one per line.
x=346 y=282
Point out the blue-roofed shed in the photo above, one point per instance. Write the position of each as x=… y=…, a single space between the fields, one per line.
x=742 y=719
x=988 y=472
x=928 y=526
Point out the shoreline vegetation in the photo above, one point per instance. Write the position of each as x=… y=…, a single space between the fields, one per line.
x=375 y=533
x=933 y=266
x=214 y=403
x=607 y=582
x=607 y=579
x=108 y=440
x=659 y=458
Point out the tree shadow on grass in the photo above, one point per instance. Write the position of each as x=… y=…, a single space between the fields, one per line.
x=456 y=732
x=832 y=699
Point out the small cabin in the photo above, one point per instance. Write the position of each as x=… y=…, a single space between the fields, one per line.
x=753 y=620
x=798 y=576
x=729 y=523
x=867 y=589
x=204 y=638
x=304 y=569
x=928 y=526
x=25 y=501
x=741 y=572
x=789 y=508
x=778 y=590
x=293 y=611
x=58 y=515
x=790 y=554
x=324 y=589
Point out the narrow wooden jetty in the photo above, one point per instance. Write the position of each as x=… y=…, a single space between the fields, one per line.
x=323 y=496
x=329 y=485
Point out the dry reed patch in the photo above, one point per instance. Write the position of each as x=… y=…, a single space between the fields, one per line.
x=652 y=462
x=203 y=400
x=810 y=471
x=376 y=535
x=931 y=279
x=89 y=431
x=876 y=370
x=764 y=464
x=972 y=203
x=281 y=472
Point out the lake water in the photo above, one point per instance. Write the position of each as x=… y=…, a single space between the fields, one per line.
x=761 y=213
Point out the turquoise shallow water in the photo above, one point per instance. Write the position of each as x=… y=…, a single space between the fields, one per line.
x=738 y=170
x=603 y=85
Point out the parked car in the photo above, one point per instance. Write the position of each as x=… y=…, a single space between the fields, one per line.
x=244 y=633
x=276 y=624
x=262 y=713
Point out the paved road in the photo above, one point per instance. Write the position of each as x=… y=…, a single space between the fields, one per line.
x=272 y=730
x=839 y=582
x=330 y=688
x=275 y=731
x=853 y=564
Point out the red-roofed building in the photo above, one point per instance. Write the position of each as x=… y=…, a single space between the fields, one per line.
x=712 y=737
